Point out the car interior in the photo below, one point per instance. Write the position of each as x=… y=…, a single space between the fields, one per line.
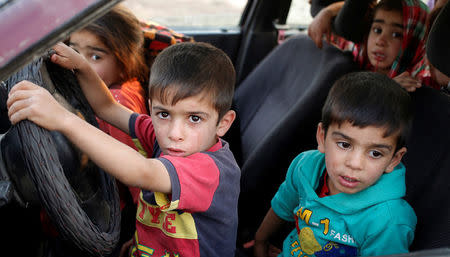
x=275 y=123
x=279 y=94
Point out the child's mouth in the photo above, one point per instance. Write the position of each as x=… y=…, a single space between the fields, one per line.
x=379 y=57
x=348 y=182
x=175 y=152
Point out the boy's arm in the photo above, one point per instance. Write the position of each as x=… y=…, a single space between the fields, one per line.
x=118 y=159
x=270 y=225
x=95 y=90
x=29 y=101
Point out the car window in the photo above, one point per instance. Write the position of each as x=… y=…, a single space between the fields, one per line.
x=182 y=14
x=299 y=15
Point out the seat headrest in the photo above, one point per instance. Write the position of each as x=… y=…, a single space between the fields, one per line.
x=438 y=52
x=317 y=5
x=353 y=21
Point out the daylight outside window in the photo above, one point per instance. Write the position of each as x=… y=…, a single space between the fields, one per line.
x=299 y=14
x=189 y=13
x=203 y=14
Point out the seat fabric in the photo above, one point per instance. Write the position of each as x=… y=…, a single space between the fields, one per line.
x=427 y=164
x=278 y=107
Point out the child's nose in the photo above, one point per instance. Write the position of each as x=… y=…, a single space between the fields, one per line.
x=355 y=160
x=381 y=40
x=176 y=131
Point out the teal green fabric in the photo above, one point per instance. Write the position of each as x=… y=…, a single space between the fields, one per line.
x=375 y=221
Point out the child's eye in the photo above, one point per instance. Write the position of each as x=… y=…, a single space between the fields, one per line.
x=377 y=30
x=163 y=115
x=195 y=119
x=397 y=35
x=343 y=145
x=375 y=154
x=95 y=57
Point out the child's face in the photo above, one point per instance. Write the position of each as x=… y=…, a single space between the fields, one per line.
x=98 y=56
x=385 y=39
x=189 y=126
x=356 y=157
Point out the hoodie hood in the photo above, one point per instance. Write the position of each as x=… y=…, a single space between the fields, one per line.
x=390 y=186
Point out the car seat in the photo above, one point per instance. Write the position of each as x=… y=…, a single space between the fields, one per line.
x=354 y=12
x=427 y=164
x=428 y=158
x=278 y=107
x=438 y=41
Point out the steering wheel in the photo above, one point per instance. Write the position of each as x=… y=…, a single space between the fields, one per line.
x=45 y=169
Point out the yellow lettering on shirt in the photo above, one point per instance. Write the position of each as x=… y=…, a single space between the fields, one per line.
x=326 y=223
x=305 y=215
x=171 y=223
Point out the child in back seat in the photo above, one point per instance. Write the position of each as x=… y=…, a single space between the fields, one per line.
x=394 y=45
x=346 y=197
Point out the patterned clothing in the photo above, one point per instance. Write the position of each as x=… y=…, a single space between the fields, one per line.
x=374 y=221
x=199 y=217
x=423 y=73
x=157 y=37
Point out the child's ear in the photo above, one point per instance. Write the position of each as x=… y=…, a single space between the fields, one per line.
x=395 y=159
x=320 y=136
x=225 y=123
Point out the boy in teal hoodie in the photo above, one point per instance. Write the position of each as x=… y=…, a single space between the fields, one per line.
x=346 y=197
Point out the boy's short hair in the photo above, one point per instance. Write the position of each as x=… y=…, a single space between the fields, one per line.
x=369 y=99
x=187 y=69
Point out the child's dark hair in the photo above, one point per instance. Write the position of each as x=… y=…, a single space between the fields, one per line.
x=188 y=69
x=120 y=31
x=369 y=99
